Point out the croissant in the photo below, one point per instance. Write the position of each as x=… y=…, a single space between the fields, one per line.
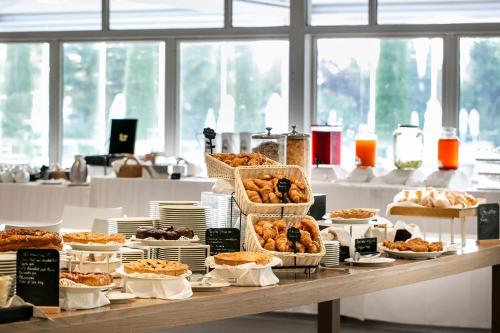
x=263 y=183
x=273 y=198
x=270 y=245
x=261 y=240
x=249 y=184
x=300 y=247
x=254 y=196
x=282 y=243
x=269 y=233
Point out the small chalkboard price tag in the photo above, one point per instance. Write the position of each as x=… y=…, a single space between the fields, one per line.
x=402 y=235
x=284 y=186
x=37 y=278
x=488 y=221
x=366 y=245
x=222 y=240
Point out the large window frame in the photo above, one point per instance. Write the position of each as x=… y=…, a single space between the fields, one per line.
x=302 y=59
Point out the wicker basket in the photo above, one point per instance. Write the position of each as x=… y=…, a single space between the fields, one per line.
x=289 y=259
x=130 y=170
x=219 y=169
x=248 y=207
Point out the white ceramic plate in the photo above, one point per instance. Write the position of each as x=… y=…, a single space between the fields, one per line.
x=86 y=288
x=339 y=220
x=216 y=286
x=411 y=254
x=371 y=262
x=94 y=247
x=119 y=297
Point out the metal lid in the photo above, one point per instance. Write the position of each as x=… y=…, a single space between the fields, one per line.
x=294 y=135
x=268 y=135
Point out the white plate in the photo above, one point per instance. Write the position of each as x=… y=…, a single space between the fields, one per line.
x=216 y=286
x=411 y=254
x=379 y=261
x=86 y=288
x=339 y=220
x=119 y=297
x=95 y=247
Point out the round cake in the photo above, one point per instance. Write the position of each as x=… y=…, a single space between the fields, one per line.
x=156 y=266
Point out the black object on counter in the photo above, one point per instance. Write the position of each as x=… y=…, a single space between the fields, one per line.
x=15 y=313
x=222 y=240
x=488 y=221
x=343 y=253
x=318 y=209
x=402 y=235
x=37 y=276
x=366 y=245
x=175 y=175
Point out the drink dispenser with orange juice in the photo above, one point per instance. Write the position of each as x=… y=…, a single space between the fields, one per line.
x=366 y=147
x=448 y=149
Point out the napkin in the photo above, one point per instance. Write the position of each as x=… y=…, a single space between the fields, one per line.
x=18 y=301
x=79 y=300
x=222 y=186
x=248 y=275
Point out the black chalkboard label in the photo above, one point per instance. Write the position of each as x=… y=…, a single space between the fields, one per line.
x=366 y=245
x=222 y=240
x=37 y=276
x=402 y=235
x=293 y=234
x=488 y=221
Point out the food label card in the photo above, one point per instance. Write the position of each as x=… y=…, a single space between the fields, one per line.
x=37 y=276
x=222 y=240
x=488 y=221
x=366 y=245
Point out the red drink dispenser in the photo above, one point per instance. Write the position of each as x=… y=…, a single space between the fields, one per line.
x=326 y=144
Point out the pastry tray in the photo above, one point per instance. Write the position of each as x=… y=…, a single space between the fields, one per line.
x=433 y=212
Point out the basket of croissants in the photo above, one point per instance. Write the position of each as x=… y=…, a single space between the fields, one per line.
x=223 y=165
x=268 y=233
x=257 y=190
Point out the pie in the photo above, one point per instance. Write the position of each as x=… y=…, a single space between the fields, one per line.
x=16 y=239
x=241 y=258
x=90 y=237
x=156 y=266
x=356 y=213
x=88 y=279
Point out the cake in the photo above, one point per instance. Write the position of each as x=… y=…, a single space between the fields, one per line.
x=241 y=258
x=88 y=279
x=16 y=239
x=156 y=266
x=90 y=237
x=170 y=233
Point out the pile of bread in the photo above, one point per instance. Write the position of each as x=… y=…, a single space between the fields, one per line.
x=430 y=197
x=264 y=189
x=244 y=159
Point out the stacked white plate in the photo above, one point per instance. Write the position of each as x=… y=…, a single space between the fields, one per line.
x=332 y=253
x=193 y=256
x=8 y=267
x=194 y=217
x=222 y=217
x=130 y=254
x=128 y=225
x=154 y=211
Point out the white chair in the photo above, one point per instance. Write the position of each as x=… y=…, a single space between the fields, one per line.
x=83 y=218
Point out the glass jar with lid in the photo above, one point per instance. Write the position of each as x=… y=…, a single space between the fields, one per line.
x=270 y=145
x=448 y=149
x=298 y=149
x=408 y=147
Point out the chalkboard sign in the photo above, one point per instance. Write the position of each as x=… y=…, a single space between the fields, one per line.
x=366 y=245
x=37 y=277
x=402 y=235
x=488 y=221
x=222 y=240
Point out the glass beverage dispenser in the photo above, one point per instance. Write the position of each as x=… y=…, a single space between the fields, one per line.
x=326 y=144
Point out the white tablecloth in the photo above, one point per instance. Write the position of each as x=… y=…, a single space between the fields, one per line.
x=39 y=203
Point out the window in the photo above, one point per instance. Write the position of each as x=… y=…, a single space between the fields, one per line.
x=103 y=81
x=166 y=14
x=267 y=13
x=380 y=82
x=339 y=12
x=438 y=11
x=40 y=15
x=479 y=115
x=24 y=103
x=231 y=87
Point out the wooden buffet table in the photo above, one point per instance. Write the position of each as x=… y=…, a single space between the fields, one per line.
x=325 y=287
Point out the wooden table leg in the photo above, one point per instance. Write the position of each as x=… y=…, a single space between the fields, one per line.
x=462 y=231
x=329 y=316
x=495 y=299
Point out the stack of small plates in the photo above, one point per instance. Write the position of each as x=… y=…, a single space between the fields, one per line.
x=221 y=208
x=331 y=257
x=130 y=254
x=128 y=225
x=194 y=217
x=154 y=211
x=193 y=256
x=8 y=267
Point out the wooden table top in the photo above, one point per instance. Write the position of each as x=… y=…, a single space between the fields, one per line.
x=145 y=315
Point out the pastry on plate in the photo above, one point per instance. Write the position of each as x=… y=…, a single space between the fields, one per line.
x=169 y=233
x=244 y=159
x=88 y=279
x=156 y=266
x=414 y=245
x=16 y=239
x=91 y=237
x=241 y=258
x=356 y=213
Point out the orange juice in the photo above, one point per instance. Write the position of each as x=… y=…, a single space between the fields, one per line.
x=448 y=154
x=366 y=152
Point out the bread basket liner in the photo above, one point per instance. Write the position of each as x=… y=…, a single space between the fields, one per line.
x=249 y=207
x=219 y=169
x=289 y=258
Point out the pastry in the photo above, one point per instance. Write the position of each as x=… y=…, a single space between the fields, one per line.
x=150 y=232
x=264 y=189
x=16 y=239
x=241 y=258
x=156 y=266
x=415 y=245
x=90 y=237
x=432 y=198
x=88 y=279
x=244 y=159
x=357 y=213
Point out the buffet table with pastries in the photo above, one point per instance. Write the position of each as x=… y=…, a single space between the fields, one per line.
x=324 y=287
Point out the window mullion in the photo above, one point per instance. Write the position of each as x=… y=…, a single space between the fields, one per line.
x=172 y=110
x=55 y=102
x=451 y=78
x=105 y=15
x=228 y=14
x=372 y=12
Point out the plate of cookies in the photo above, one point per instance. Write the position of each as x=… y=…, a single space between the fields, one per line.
x=352 y=216
x=415 y=248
